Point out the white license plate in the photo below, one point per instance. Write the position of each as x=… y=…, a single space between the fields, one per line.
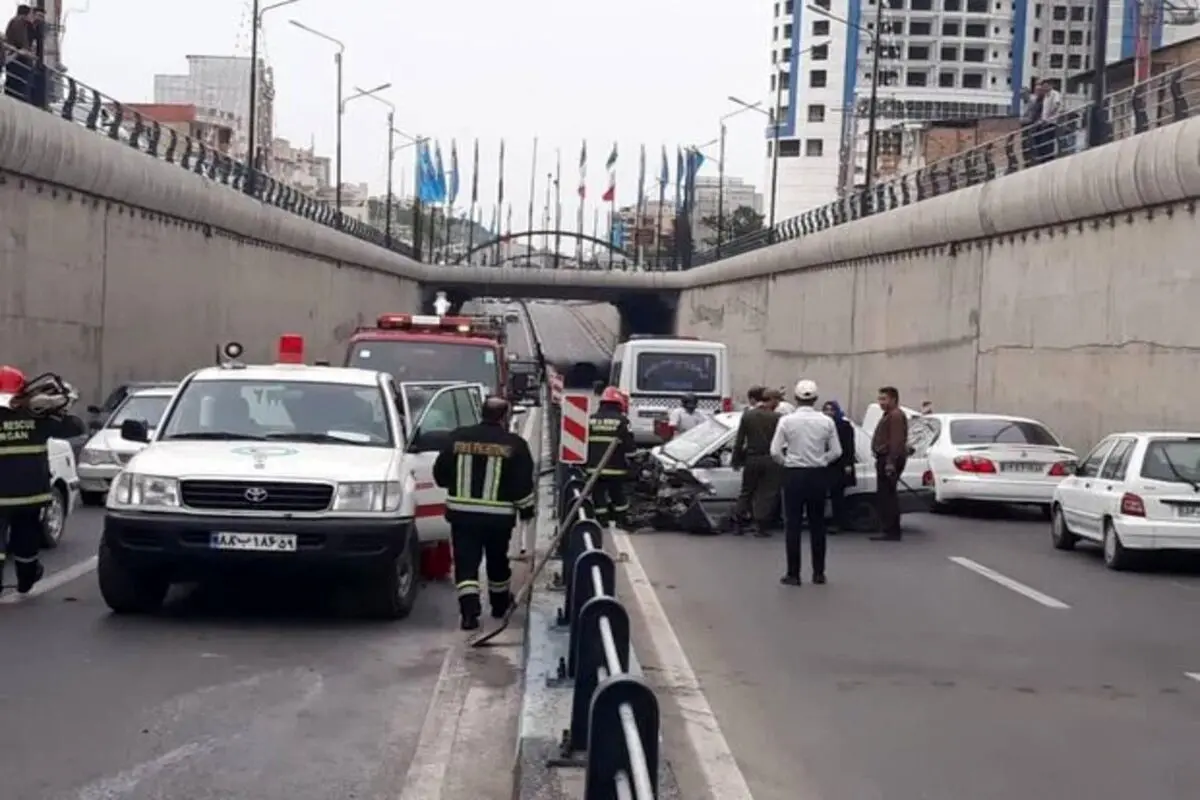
x=1190 y=512
x=1020 y=466
x=257 y=542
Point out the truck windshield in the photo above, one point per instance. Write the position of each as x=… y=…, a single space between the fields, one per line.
x=407 y=361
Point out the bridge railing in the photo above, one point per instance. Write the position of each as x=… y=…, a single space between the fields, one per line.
x=1163 y=99
x=69 y=98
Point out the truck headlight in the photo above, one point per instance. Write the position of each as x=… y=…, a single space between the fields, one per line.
x=371 y=496
x=95 y=458
x=145 y=491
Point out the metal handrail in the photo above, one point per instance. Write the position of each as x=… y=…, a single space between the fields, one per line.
x=1161 y=100
x=61 y=94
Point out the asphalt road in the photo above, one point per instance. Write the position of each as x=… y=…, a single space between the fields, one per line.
x=260 y=691
x=912 y=676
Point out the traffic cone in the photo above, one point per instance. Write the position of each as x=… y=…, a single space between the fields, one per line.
x=437 y=561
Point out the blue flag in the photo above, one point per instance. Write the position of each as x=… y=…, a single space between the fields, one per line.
x=453 y=171
x=426 y=175
x=439 y=176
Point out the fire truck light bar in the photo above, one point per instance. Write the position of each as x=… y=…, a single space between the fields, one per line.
x=415 y=322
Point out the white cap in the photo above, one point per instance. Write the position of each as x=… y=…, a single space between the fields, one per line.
x=806 y=390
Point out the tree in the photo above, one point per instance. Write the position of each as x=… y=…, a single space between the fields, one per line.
x=742 y=221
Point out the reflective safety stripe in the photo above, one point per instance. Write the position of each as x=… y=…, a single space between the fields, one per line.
x=612 y=473
x=527 y=501
x=463 y=469
x=479 y=506
x=622 y=507
x=28 y=500
x=600 y=438
x=495 y=587
x=491 y=478
x=25 y=559
x=22 y=450
x=467 y=588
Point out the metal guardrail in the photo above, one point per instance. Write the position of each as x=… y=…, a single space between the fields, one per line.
x=1163 y=99
x=64 y=96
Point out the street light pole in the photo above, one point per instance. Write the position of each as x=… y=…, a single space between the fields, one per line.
x=772 y=116
x=337 y=62
x=387 y=213
x=249 y=184
x=721 y=191
x=872 y=116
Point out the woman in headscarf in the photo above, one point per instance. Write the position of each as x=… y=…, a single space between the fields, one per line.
x=842 y=470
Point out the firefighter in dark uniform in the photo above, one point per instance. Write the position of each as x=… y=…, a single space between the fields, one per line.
x=610 y=423
x=487 y=472
x=27 y=421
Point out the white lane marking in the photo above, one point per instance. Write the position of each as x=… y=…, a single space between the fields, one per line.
x=121 y=784
x=1193 y=675
x=427 y=770
x=1009 y=583
x=716 y=760
x=52 y=581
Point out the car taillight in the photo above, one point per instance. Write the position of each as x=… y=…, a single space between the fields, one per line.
x=727 y=404
x=1132 y=505
x=975 y=464
x=927 y=478
x=1060 y=470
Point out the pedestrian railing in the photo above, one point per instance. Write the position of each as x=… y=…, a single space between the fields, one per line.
x=1163 y=99
x=69 y=98
x=614 y=723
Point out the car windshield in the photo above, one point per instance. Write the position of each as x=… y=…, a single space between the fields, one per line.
x=299 y=411
x=677 y=372
x=1000 y=430
x=687 y=446
x=408 y=360
x=1173 y=460
x=147 y=408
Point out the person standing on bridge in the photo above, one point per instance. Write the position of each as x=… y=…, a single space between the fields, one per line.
x=28 y=420
x=805 y=443
x=18 y=36
x=487 y=472
x=607 y=425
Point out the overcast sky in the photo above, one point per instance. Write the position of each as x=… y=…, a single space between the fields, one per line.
x=653 y=72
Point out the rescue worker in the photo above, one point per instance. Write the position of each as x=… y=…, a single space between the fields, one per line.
x=805 y=443
x=686 y=416
x=487 y=472
x=609 y=424
x=27 y=421
x=760 y=474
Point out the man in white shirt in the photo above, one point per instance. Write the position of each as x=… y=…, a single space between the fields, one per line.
x=687 y=416
x=805 y=443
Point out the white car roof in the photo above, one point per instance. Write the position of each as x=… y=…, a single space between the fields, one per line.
x=965 y=415
x=291 y=372
x=1157 y=434
x=156 y=391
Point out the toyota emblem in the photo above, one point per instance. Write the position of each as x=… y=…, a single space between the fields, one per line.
x=256 y=495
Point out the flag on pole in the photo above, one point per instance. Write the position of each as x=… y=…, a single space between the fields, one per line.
x=509 y=221
x=439 y=174
x=426 y=175
x=475 y=176
x=610 y=194
x=641 y=192
x=453 y=190
x=500 y=185
x=583 y=171
x=678 y=179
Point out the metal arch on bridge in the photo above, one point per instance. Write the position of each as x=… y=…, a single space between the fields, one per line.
x=509 y=237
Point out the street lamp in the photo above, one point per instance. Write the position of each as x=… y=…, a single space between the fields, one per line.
x=869 y=181
x=721 y=174
x=256 y=15
x=337 y=61
x=774 y=146
x=391 y=149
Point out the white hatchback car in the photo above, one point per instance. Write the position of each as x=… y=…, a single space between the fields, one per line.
x=106 y=453
x=1134 y=493
x=995 y=458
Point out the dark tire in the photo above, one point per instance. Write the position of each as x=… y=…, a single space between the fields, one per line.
x=1060 y=535
x=126 y=591
x=1047 y=511
x=54 y=518
x=861 y=514
x=1116 y=557
x=92 y=499
x=392 y=594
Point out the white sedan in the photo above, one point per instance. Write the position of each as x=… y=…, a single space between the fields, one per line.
x=1135 y=492
x=993 y=458
x=106 y=453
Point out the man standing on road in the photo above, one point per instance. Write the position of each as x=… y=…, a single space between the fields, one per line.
x=686 y=416
x=760 y=474
x=487 y=472
x=889 y=444
x=805 y=443
x=754 y=397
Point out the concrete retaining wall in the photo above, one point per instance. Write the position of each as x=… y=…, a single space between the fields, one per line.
x=1068 y=292
x=116 y=266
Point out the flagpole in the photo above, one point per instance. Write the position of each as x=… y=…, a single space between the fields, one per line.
x=533 y=184
x=418 y=183
x=499 y=205
x=596 y=227
x=546 y=211
x=612 y=220
x=582 y=199
x=557 y=205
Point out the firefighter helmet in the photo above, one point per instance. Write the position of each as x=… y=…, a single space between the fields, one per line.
x=615 y=396
x=12 y=380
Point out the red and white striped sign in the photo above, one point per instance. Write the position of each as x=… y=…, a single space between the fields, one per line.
x=556 y=386
x=573 y=436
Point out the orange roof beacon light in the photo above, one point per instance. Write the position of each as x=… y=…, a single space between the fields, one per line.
x=425 y=322
x=291 y=348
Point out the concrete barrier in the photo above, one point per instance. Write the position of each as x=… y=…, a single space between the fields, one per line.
x=1066 y=292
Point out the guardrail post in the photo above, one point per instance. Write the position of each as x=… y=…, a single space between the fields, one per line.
x=622 y=705
x=583 y=592
x=573 y=546
x=593 y=664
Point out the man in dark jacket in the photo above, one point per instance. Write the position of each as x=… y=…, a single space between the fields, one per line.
x=889 y=445
x=18 y=36
x=759 y=497
x=27 y=423
x=841 y=475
